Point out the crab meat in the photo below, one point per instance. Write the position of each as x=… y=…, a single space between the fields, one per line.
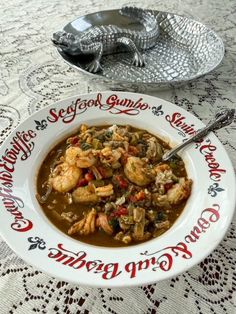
x=86 y=225
x=103 y=223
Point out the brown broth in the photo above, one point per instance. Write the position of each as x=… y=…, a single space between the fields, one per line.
x=56 y=202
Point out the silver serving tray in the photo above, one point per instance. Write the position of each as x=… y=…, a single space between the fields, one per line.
x=186 y=49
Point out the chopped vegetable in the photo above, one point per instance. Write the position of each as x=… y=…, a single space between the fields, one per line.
x=96 y=144
x=82 y=182
x=132 y=150
x=108 y=134
x=140 y=196
x=85 y=146
x=123 y=184
x=168 y=186
x=73 y=140
x=89 y=176
x=98 y=183
x=105 y=172
x=161 y=216
x=120 y=211
x=114 y=223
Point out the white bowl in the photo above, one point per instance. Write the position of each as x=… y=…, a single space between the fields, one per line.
x=197 y=231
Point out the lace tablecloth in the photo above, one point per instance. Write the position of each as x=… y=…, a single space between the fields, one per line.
x=33 y=76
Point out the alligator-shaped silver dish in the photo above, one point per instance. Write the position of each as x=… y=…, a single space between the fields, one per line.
x=105 y=39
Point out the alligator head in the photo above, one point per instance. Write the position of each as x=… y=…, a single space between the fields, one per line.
x=67 y=42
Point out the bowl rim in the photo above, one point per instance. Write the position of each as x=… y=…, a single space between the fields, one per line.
x=193 y=262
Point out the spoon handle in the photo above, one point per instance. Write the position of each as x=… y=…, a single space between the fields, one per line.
x=221 y=119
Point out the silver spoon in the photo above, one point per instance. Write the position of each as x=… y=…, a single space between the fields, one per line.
x=221 y=119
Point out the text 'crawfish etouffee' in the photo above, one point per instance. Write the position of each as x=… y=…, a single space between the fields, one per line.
x=108 y=186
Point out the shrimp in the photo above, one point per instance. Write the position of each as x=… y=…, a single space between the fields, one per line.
x=175 y=195
x=106 y=190
x=86 y=159
x=136 y=171
x=90 y=222
x=72 y=154
x=76 y=227
x=82 y=159
x=180 y=191
x=85 y=194
x=65 y=177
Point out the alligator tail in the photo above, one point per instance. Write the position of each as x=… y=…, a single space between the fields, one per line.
x=146 y=18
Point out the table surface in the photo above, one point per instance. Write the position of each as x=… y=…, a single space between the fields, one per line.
x=32 y=76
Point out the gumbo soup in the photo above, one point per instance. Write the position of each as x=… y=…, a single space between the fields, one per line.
x=108 y=186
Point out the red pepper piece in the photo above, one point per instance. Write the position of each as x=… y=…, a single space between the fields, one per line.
x=74 y=140
x=102 y=171
x=122 y=182
x=137 y=197
x=82 y=182
x=132 y=150
x=140 y=196
x=121 y=211
x=168 y=186
x=89 y=176
x=124 y=158
x=132 y=198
